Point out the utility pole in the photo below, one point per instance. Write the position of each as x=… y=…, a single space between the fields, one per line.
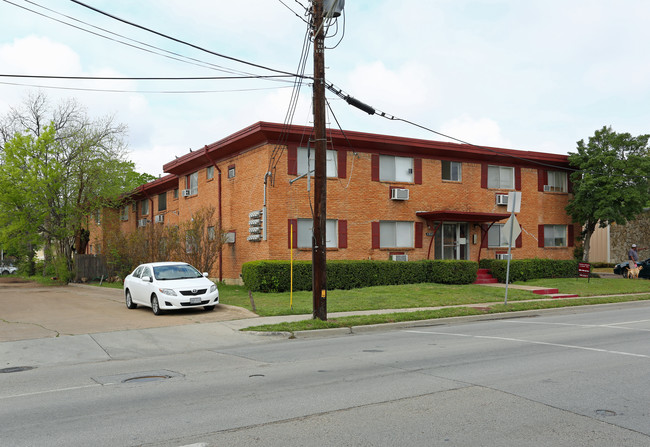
x=319 y=245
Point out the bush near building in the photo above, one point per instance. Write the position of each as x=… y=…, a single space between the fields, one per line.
x=275 y=276
x=526 y=269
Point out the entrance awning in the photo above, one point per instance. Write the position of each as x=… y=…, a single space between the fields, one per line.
x=461 y=216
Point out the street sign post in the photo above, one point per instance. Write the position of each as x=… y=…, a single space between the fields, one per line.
x=514 y=206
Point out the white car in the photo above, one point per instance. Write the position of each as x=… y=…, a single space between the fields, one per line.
x=169 y=285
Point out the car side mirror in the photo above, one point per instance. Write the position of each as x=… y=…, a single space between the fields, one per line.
x=147 y=279
x=205 y=274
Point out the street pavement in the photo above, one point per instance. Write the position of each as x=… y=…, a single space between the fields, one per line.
x=45 y=325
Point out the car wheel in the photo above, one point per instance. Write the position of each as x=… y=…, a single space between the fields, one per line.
x=208 y=308
x=129 y=301
x=155 y=307
x=625 y=273
x=5 y=272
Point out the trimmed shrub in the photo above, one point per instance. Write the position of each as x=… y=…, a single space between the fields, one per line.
x=526 y=269
x=274 y=276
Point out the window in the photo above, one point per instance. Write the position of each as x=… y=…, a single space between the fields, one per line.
x=211 y=234
x=495 y=236
x=209 y=172
x=395 y=169
x=302 y=162
x=395 y=234
x=144 y=207
x=451 y=170
x=192 y=183
x=176 y=193
x=557 y=181
x=124 y=212
x=305 y=233
x=191 y=241
x=138 y=272
x=162 y=201
x=555 y=236
x=98 y=217
x=231 y=171
x=134 y=207
x=501 y=177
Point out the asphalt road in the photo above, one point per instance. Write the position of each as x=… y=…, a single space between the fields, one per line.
x=574 y=378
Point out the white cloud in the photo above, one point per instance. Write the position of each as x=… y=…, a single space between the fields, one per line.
x=479 y=131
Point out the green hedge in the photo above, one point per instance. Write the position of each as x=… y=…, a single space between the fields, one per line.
x=274 y=276
x=525 y=269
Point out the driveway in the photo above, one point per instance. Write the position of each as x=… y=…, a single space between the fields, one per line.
x=29 y=310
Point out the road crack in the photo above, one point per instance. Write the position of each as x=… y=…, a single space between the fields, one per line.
x=32 y=324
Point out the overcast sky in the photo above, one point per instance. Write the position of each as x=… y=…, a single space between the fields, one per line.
x=532 y=75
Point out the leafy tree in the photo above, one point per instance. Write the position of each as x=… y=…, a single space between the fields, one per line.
x=57 y=166
x=611 y=181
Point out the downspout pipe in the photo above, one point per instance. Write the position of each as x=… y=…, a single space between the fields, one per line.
x=264 y=215
x=214 y=163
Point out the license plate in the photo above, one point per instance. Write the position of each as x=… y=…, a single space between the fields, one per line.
x=195 y=300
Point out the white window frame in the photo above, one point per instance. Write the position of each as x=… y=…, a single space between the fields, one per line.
x=209 y=172
x=304 y=233
x=331 y=156
x=557 y=181
x=496 y=177
x=192 y=183
x=454 y=167
x=124 y=213
x=231 y=172
x=555 y=233
x=144 y=207
x=396 y=234
x=495 y=233
x=395 y=169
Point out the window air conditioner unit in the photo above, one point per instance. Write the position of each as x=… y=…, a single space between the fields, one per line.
x=548 y=188
x=399 y=194
x=160 y=218
x=186 y=193
x=142 y=222
x=502 y=199
x=503 y=256
x=254 y=238
x=399 y=257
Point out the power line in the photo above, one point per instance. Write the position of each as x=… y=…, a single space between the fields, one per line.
x=180 y=57
x=372 y=111
x=241 y=61
x=144 y=78
x=297 y=15
x=141 y=91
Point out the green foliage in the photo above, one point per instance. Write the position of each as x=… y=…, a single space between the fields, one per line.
x=275 y=276
x=527 y=269
x=611 y=183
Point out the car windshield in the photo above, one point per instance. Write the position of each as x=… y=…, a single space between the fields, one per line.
x=179 y=271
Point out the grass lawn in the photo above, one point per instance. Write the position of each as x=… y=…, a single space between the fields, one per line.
x=421 y=295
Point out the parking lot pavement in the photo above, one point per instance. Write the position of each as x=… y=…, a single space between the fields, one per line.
x=30 y=311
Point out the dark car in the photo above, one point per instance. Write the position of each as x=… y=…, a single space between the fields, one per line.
x=622 y=269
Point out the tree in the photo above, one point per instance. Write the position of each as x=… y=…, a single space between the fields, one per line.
x=57 y=166
x=610 y=184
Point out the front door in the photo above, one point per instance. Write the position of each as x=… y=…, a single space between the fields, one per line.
x=451 y=241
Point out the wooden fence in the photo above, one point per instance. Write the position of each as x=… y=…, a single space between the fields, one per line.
x=90 y=267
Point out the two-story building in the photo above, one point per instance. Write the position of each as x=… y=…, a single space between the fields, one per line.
x=388 y=198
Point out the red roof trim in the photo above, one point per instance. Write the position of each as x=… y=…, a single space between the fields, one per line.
x=461 y=216
x=271 y=133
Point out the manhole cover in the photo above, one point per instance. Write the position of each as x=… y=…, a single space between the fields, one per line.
x=144 y=379
x=15 y=369
x=605 y=413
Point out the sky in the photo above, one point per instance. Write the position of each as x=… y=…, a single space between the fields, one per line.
x=535 y=75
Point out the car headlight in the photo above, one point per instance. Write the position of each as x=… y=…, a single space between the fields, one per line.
x=213 y=288
x=168 y=292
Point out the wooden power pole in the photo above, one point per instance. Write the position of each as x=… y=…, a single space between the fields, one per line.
x=319 y=244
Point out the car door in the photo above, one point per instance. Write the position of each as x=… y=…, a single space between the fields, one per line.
x=139 y=288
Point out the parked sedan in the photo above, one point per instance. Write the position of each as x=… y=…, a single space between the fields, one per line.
x=622 y=269
x=169 y=285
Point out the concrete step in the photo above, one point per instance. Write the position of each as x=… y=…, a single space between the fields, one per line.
x=545 y=291
x=486 y=281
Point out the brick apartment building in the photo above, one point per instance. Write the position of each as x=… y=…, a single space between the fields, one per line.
x=387 y=197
